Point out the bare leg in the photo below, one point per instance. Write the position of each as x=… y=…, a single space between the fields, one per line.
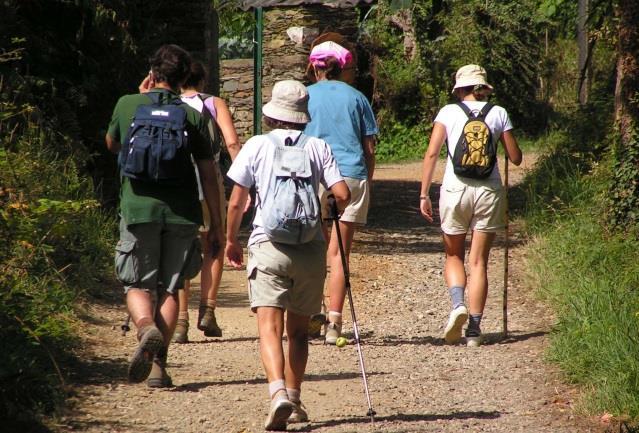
x=297 y=333
x=478 y=263
x=454 y=271
x=166 y=318
x=140 y=305
x=336 y=282
x=183 y=300
x=270 y=326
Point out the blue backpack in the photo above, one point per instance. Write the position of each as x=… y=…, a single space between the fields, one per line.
x=156 y=147
x=290 y=208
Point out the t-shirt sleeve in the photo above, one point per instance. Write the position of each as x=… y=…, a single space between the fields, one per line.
x=370 y=124
x=505 y=119
x=114 y=125
x=241 y=171
x=444 y=114
x=330 y=171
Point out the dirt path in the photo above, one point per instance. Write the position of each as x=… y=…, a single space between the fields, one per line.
x=417 y=383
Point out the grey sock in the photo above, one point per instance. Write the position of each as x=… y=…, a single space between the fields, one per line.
x=474 y=320
x=457 y=296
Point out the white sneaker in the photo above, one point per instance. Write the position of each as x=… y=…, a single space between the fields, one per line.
x=333 y=332
x=453 y=330
x=281 y=408
x=473 y=341
x=299 y=413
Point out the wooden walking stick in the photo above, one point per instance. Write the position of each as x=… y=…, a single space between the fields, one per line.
x=505 y=292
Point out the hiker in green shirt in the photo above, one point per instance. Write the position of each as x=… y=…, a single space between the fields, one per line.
x=159 y=247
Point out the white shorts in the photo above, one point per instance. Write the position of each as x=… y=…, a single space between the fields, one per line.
x=357 y=210
x=464 y=207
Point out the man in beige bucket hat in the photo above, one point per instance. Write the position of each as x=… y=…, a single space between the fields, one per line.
x=283 y=276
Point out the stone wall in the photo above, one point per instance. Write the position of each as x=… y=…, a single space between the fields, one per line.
x=288 y=33
x=236 y=87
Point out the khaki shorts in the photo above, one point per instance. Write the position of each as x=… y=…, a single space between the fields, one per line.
x=357 y=210
x=290 y=277
x=464 y=207
x=222 y=209
x=155 y=256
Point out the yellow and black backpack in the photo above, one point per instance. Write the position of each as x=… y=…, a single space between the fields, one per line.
x=476 y=153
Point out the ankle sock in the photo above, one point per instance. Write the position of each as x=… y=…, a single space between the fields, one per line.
x=474 y=322
x=335 y=317
x=294 y=394
x=183 y=315
x=276 y=386
x=456 y=296
x=211 y=303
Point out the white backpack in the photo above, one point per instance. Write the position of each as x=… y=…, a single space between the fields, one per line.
x=290 y=208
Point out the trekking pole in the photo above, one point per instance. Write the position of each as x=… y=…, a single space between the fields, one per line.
x=505 y=292
x=125 y=326
x=335 y=217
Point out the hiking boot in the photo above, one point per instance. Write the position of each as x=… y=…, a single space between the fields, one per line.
x=181 y=334
x=151 y=341
x=299 y=413
x=315 y=325
x=281 y=409
x=333 y=332
x=453 y=330
x=206 y=322
x=159 y=378
x=473 y=338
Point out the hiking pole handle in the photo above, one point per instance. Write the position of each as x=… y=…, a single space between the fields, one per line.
x=333 y=212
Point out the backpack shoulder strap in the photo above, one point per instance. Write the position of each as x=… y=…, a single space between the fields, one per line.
x=485 y=109
x=465 y=109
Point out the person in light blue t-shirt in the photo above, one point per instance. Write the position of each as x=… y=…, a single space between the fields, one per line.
x=342 y=116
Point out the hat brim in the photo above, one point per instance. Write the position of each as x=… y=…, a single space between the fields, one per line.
x=467 y=83
x=285 y=115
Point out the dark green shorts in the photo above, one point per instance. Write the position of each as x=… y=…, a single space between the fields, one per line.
x=155 y=256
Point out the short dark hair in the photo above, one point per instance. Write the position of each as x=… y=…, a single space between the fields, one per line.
x=197 y=76
x=280 y=124
x=478 y=90
x=171 y=64
x=331 y=68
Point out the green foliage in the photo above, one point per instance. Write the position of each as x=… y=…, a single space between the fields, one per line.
x=236 y=30
x=624 y=191
x=399 y=143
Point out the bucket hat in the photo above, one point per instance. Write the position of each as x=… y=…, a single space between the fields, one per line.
x=289 y=102
x=327 y=49
x=471 y=75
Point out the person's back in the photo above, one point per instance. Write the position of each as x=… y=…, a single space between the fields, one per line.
x=160 y=213
x=283 y=277
x=340 y=115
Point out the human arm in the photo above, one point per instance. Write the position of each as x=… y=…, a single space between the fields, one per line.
x=210 y=190
x=236 y=204
x=437 y=138
x=368 y=143
x=225 y=122
x=511 y=147
x=112 y=144
x=342 y=195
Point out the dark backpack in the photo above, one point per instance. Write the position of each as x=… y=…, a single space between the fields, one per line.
x=156 y=147
x=476 y=153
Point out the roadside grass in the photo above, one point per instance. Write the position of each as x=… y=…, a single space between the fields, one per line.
x=588 y=276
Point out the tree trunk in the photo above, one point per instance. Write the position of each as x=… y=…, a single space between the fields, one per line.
x=582 y=43
x=625 y=185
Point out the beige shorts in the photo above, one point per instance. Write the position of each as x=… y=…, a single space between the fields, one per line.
x=357 y=209
x=464 y=207
x=290 y=277
x=222 y=209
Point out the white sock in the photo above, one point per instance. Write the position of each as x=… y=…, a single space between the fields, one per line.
x=335 y=317
x=276 y=386
x=294 y=394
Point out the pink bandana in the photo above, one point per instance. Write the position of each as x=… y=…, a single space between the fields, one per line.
x=321 y=52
